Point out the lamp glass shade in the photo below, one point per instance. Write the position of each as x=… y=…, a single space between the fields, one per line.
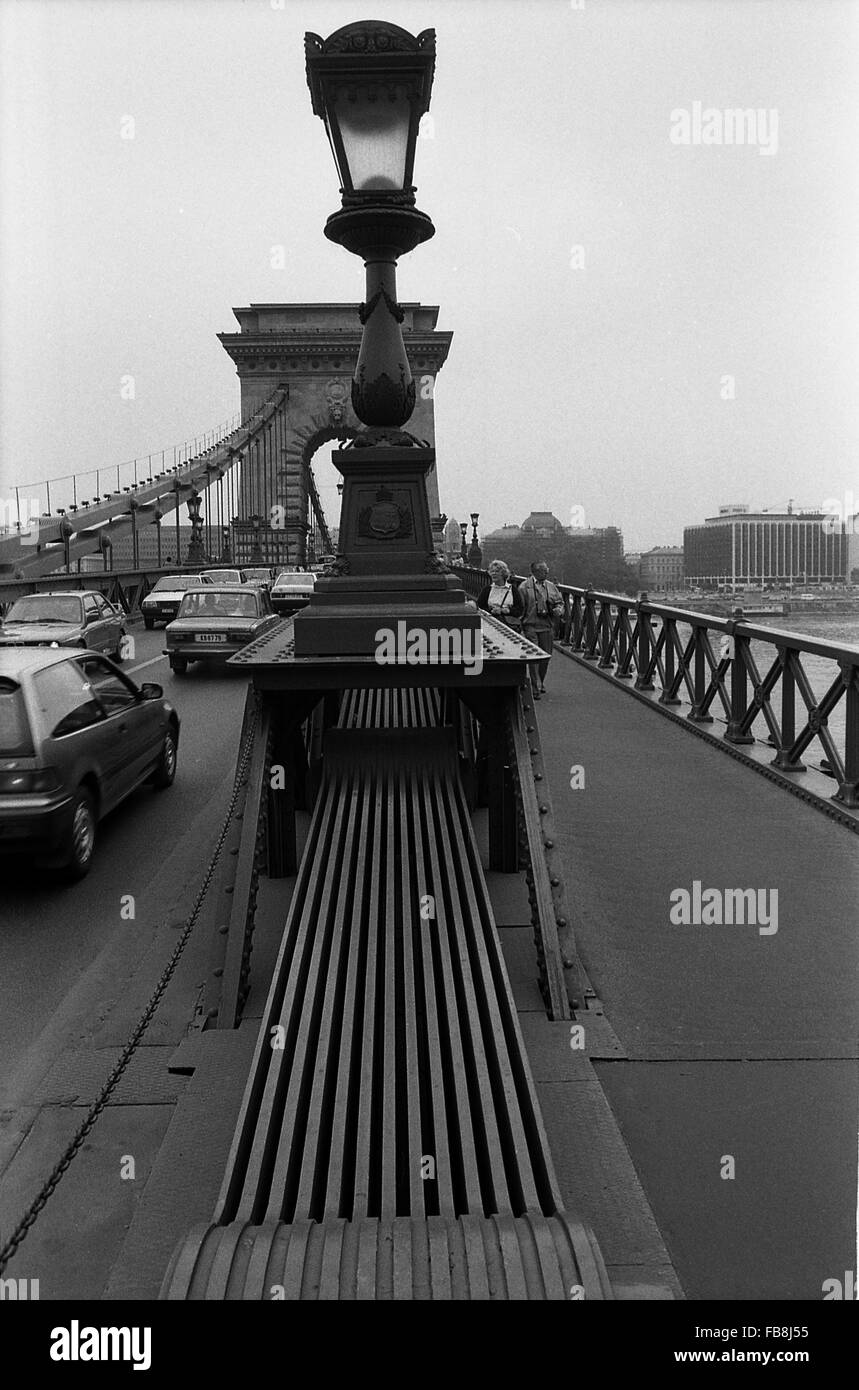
x=370 y=127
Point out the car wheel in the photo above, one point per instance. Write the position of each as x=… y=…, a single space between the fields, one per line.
x=178 y=665
x=166 y=769
x=81 y=844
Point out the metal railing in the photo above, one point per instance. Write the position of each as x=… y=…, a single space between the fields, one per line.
x=208 y=471
x=758 y=677
x=114 y=478
x=70 y=491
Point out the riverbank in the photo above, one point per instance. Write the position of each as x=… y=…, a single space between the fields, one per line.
x=760 y=607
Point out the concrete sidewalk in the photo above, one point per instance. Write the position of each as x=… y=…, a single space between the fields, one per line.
x=741 y=1043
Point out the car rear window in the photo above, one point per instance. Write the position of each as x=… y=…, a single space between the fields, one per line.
x=66 y=699
x=15 y=738
x=298 y=583
x=209 y=603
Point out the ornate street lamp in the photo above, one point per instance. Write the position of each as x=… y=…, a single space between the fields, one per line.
x=370 y=83
x=196 y=551
x=475 y=554
x=463 y=531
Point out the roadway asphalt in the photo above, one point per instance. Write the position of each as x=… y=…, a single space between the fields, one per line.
x=53 y=934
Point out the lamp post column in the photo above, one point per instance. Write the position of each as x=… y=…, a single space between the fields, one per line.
x=370 y=82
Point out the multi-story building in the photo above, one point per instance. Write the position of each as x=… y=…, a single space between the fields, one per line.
x=122 y=551
x=661 y=567
x=599 y=546
x=743 y=547
x=604 y=543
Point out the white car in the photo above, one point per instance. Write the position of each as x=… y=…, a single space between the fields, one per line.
x=292 y=591
x=162 y=602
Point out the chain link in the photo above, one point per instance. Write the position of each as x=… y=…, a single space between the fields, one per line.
x=49 y=1186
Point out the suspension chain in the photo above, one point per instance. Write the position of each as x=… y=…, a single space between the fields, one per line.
x=29 y=1218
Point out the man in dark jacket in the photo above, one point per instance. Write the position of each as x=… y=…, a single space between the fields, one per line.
x=542 y=610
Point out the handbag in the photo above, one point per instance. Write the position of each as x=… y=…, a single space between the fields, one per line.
x=508 y=619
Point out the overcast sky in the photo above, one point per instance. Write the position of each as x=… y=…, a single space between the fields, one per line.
x=699 y=347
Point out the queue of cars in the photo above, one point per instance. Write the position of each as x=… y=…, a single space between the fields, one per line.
x=78 y=735
x=161 y=604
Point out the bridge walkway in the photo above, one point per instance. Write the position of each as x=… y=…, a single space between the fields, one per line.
x=733 y=1043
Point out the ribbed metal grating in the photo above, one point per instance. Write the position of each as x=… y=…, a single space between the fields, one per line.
x=390 y=1139
x=396 y=1046
x=390 y=709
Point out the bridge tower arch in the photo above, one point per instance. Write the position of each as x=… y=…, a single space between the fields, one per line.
x=311 y=351
x=297 y=488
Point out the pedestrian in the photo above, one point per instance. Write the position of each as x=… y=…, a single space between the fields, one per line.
x=501 y=598
x=542 y=609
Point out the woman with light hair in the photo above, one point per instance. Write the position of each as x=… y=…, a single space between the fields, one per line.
x=501 y=597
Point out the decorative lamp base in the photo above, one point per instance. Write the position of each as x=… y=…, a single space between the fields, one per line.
x=387 y=577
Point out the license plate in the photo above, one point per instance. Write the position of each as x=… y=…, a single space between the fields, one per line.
x=208 y=637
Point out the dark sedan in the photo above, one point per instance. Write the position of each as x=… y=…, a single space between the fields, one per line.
x=215 y=622
x=73 y=619
x=76 y=738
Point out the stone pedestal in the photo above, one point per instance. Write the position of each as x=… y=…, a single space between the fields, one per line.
x=387 y=577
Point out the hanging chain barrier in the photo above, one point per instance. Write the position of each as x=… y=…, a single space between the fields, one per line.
x=52 y=1181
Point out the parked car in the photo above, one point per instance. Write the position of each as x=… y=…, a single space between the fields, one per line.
x=162 y=602
x=77 y=618
x=292 y=591
x=76 y=738
x=217 y=621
